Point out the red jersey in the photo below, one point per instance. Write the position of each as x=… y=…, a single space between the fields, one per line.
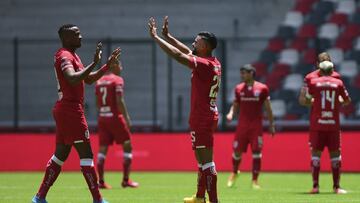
x=68 y=94
x=205 y=82
x=251 y=100
x=325 y=109
x=107 y=89
x=316 y=74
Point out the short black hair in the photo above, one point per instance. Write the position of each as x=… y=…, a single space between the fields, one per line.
x=209 y=37
x=249 y=68
x=64 y=28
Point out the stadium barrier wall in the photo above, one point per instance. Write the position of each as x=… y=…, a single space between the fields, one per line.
x=287 y=151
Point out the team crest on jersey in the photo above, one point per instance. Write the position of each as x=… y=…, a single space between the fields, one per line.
x=87 y=134
x=256 y=93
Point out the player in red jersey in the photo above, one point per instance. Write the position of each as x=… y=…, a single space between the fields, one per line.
x=205 y=81
x=113 y=123
x=324 y=56
x=250 y=98
x=68 y=112
x=323 y=94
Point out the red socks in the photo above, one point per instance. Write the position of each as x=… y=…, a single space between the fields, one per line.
x=236 y=162
x=315 y=170
x=210 y=174
x=88 y=170
x=100 y=167
x=335 y=168
x=256 y=166
x=126 y=166
x=201 y=184
x=52 y=171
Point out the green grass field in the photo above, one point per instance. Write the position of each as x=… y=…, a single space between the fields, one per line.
x=172 y=187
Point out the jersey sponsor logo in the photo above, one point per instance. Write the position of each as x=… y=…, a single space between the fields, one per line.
x=327 y=114
x=326 y=84
x=249 y=98
x=326 y=122
x=105 y=109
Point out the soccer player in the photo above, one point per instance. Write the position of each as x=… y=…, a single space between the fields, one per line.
x=205 y=81
x=113 y=123
x=323 y=93
x=324 y=56
x=250 y=98
x=68 y=112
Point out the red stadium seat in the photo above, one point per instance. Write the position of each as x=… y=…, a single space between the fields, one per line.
x=304 y=6
x=275 y=45
x=281 y=70
x=307 y=31
x=261 y=69
x=351 y=31
x=309 y=56
x=344 y=43
x=339 y=18
x=356 y=82
x=299 y=44
x=273 y=81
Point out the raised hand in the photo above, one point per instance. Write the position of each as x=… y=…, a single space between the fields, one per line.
x=114 y=57
x=98 y=52
x=152 y=27
x=165 y=28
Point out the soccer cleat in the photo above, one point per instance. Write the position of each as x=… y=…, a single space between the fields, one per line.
x=194 y=199
x=129 y=183
x=37 y=199
x=232 y=179
x=104 y=186
x=315 y=190
x=339 y=191
x=101 y=201
x=255 y=185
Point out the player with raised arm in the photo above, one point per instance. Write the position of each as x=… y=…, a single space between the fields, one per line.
x=68 y=112
x=323 y=94
x=324 y=56
x=205 y=81
x=250 y=98
x=113 y=123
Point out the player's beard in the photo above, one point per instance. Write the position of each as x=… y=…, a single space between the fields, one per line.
x=194 y=52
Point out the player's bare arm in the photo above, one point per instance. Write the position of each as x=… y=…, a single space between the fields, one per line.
x=96 y=75
x=303 y=97
x=234 y=109
x=168 y=48
x=75 y=77
x=122 y=108
x=172 y=40
x=268 y=109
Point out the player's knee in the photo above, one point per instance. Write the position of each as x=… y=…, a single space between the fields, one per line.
x=210 y=166
x=316 y=153
x=256 y=155
x=127 y=147
x=335 y=153
x=236 y=155
x=315 y=161
x=336 y=162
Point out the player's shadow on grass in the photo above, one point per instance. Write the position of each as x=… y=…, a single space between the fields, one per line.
x=321 y=193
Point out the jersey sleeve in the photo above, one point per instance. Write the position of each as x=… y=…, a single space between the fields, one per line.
x=65 y=61
x=265 y=95
x=119 y=87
